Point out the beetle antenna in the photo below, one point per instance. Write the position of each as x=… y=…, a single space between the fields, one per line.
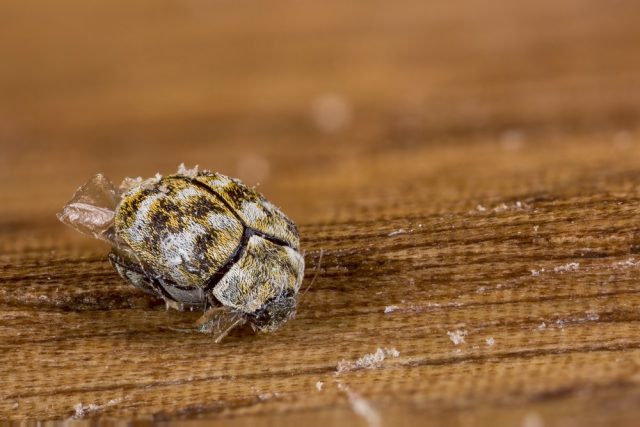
x=315 y=276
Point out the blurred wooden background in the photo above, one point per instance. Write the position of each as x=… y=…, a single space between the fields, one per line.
x=470 y=170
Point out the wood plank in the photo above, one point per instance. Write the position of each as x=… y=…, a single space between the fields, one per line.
x=470 y=175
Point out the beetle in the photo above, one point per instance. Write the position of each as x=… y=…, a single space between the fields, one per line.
x=198 y=239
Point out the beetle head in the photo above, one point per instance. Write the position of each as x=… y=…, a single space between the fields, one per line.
x=274 y=312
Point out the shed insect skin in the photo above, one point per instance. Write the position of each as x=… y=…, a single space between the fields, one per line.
x=201 y=240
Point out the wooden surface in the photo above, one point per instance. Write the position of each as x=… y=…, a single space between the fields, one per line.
x=473 y=165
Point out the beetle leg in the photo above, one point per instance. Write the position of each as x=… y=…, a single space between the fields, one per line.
x=141 y=277
x=219 y=321
x=132 y=273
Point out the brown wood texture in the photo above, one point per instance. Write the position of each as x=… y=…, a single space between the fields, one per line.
x=468 y=169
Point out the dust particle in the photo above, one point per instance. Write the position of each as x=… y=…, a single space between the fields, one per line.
x=368 y=361
x=362 y=407
x=191 y=173
x=390 y=308
x=593 y=316
x=83 y=410
x=457 y=336
x=398 y=232
x=572 y=266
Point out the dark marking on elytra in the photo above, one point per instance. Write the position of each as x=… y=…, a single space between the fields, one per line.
x=265 y=236
x=239 y=193
x=201 y=206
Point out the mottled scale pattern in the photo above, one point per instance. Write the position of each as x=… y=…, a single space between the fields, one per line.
x=254 y=210
x=265 y=270
x=179 y=231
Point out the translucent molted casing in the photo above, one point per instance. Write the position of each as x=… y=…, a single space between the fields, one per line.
x=92 y=209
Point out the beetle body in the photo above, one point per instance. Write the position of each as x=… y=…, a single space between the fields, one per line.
x=206 y=240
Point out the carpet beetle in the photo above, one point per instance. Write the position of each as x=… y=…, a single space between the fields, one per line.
x=197 y=239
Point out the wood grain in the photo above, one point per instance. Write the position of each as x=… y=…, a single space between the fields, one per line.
x=466 y=170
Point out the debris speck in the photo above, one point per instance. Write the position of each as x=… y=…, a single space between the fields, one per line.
x=82 y=411
x=501 y=207
x=517 y=206
x=490 y=341
x=593 y=316
x=392 y=352
x=537 y=272
x=129 y=182
x=542 y=326
x=535 y=228
x=481 y=208
x=164 y=189
x=398 y=232
x=362 y=407
x=631 y=262
x=319 y=385
x=390 y=308
x=191 y=173
x=572 y=266
x=457 y=336
x=368 y=361
x=267 y=396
